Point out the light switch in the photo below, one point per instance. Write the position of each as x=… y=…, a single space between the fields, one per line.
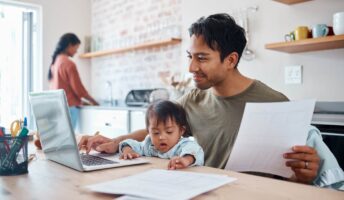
x=293 y=74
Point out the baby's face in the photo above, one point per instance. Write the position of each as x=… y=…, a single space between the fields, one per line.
x=164 y=135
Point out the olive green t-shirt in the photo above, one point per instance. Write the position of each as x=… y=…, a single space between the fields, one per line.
x=215 y=120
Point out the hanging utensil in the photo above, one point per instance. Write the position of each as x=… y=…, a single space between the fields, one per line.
x=248 y=54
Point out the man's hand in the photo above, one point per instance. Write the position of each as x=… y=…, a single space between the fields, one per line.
x=305 y=163
x=129 y=153
x=98 y=143
x=181 y=162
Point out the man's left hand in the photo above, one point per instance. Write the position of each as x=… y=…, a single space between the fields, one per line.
x=305 y=163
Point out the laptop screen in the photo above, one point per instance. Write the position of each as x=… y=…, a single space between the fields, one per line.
x=53 y=122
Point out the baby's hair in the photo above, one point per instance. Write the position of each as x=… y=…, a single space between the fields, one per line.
x=163 y=110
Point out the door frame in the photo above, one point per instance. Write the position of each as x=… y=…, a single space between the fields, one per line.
x=35 y=76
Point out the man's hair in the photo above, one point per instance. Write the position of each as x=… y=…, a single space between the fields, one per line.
x=221 y=33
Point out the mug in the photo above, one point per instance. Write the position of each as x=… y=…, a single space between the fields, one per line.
x=301 y=33
x=330 y=30
x=320 y=30
x=289 y=37
x=338 y=23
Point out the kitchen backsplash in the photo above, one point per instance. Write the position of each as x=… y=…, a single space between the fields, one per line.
x=120 y=23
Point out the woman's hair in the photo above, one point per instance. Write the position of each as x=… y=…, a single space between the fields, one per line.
x=163 y=110
x=65 y=40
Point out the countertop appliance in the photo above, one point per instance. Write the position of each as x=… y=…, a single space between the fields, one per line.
x=328 y=117
x=143 y=97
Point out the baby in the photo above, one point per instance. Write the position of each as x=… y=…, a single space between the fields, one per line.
x=166 y=123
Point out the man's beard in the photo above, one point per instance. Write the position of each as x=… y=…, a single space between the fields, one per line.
x=205 y=86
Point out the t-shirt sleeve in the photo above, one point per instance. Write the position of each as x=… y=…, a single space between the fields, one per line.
x=182 y=100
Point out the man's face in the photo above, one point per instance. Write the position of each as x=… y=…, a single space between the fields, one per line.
x=205 y=64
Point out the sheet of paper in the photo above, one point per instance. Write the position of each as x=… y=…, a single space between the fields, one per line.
x=163 y=184
x=127 y=197
x=267 y=131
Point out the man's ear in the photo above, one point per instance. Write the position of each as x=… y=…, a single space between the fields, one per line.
x=232 y=60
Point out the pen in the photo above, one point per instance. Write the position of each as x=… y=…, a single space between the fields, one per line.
x=25 y=122
x=10 y=159
x=4 y=147
x=2 y=131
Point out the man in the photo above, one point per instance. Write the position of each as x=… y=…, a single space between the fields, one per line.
x=216 y=106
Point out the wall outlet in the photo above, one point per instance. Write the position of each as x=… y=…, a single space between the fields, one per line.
x=293 y=74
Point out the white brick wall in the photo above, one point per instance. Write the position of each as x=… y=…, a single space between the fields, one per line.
x=119 y=23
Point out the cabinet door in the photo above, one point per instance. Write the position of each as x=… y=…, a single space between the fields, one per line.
x=110 y=123
x=137 y=120
x=84 y=124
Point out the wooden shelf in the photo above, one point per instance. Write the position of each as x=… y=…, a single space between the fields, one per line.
x=290 y=2
x=312 y=44
x=146 y=45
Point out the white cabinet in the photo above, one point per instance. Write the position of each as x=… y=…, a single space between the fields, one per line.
x=137 y=120
x=110 y=123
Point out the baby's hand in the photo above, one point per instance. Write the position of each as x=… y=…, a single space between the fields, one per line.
x=128 y=153
x=180 y=162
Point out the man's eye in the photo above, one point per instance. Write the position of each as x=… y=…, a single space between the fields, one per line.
x=202 y=58
x=169 y=132
x=155 y=133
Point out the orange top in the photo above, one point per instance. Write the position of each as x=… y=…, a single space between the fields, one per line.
x=66 y=76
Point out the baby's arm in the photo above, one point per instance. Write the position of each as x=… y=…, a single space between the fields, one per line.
x=178 y=162
x=190 y=154
x=130 y=149
x=128 y=153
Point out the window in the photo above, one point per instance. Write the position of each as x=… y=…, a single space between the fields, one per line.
x=19 y=59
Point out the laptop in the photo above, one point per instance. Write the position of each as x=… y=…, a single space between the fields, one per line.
x=58 y=139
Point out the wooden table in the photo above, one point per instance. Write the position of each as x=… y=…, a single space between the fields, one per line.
x=49 y=180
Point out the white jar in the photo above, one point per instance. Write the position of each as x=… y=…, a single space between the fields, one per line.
x=338 y=23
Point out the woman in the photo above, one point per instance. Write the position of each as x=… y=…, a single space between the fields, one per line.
x=63 y=74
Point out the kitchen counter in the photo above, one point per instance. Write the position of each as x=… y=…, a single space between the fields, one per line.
x=111 y=121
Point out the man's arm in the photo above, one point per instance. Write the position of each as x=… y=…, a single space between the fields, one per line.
x=107 y=145
x=138 y=135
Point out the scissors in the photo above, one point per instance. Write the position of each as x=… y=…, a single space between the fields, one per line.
x=15 y=127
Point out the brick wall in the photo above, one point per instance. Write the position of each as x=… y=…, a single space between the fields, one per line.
x=120 y=23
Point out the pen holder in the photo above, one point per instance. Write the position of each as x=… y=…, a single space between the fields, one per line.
x=13 y=155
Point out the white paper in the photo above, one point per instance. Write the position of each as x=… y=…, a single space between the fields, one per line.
x=163 y=184
x=127 y=197
x=267 y=131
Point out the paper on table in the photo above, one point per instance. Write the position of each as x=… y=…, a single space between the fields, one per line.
x=163 y=184
x=267 y=131
x=127 y=197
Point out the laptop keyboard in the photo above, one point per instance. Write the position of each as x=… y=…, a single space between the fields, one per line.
x=90 y=160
